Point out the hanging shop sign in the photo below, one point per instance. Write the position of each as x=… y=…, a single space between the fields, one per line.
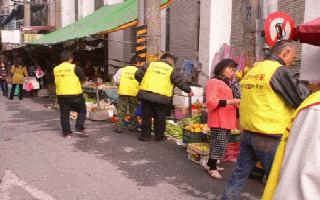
x=278 y=26
x=27 y=37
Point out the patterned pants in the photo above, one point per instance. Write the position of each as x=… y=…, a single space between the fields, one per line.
x=218 y=142
x=123 y=103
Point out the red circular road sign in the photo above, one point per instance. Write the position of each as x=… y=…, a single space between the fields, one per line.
x=278 y=26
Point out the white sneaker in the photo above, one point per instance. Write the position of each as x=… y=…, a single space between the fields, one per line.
x=215 y=174
x=220 y=169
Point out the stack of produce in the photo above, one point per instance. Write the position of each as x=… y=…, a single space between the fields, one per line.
x=198 y=128
x=176 y=129
x=101 y=86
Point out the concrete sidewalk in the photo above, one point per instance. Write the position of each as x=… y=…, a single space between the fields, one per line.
x=38 y=163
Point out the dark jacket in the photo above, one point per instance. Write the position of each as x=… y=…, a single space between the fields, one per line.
x=4 y=73
x=286 y=84
x=176 y=79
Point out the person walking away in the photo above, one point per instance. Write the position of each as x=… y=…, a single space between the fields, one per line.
x=295 y=168
x=18 y=71
x=4 y=76
x=68 y=79
x=128 y=90
x=222 y=99
x=157 y=80
x=270 y=94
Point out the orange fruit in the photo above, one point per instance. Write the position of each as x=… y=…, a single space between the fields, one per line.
x=198 y=130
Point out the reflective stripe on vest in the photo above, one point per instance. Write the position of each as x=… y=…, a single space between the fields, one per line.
x=157 y=79
x=128 y=84
x=67 y=82
x=274 y=176
x=261 y=109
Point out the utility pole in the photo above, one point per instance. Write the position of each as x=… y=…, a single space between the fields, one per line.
x=149 y=15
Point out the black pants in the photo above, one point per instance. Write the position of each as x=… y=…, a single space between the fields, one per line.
x=13 y=88
x=158 y=112
x=77 y=103
x=4 y=87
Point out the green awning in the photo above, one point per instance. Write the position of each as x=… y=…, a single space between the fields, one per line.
x=107 y=19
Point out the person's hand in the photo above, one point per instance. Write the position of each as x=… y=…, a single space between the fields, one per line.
x=234 y=102
x=190 y=94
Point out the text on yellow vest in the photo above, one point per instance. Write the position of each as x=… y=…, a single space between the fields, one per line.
x=67 y=82
x=128 y=84
x=261 y=109
x=157 y=79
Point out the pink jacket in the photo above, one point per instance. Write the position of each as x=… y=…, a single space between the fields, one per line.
x=220 y=117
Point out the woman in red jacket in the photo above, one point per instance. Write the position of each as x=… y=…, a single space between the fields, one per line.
x=223 y=97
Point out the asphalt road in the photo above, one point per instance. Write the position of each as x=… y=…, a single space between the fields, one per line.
x=36 y=162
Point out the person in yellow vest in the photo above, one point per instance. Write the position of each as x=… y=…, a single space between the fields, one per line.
x=270 y=94
x=157 y=80
x=295 y=171
x=68 y=79
x=128 y=90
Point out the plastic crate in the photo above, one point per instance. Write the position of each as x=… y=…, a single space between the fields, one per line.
x=191 y=137
x=205 y=138
x=234 y=138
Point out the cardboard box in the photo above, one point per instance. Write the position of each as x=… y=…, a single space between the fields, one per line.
x=184 y=101
x=202 y=160
x=194 y=148
x=198 y=91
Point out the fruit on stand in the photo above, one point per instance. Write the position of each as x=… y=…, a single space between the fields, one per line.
x=176 y=129
x=197 y=127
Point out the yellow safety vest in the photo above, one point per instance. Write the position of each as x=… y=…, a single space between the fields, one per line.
x=157 y=79
x=261 y=109
x=274 y=176
x=128 y=84
x=67 y=82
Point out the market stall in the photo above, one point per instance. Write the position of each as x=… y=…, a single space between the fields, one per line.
x=107 y=90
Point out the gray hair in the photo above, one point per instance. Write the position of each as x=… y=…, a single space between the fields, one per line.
x=280 y=46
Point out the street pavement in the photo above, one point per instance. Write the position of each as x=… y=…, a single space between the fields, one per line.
x=36 y=162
